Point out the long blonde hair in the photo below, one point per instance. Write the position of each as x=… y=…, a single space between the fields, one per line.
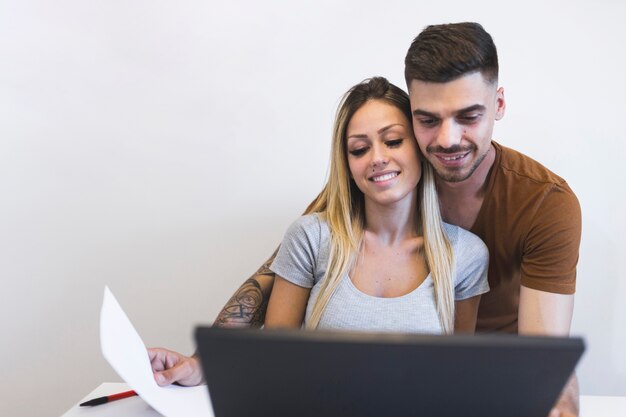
x=342 y=205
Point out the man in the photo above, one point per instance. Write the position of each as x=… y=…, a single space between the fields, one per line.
x=528 y=216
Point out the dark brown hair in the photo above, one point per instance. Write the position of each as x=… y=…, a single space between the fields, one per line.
x=442 y=53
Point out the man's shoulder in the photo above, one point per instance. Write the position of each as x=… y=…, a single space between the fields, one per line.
x=522 y=188
x=519 y=167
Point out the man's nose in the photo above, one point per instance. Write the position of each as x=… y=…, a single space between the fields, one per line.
x=450 y=134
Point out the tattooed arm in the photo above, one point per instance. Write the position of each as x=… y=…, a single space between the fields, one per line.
x=247 y=307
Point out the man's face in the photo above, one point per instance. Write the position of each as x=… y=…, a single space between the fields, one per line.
x=453 y=122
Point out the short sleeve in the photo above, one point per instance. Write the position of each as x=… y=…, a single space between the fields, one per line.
x=550 y=251
x=472 y=264
x=296 y=260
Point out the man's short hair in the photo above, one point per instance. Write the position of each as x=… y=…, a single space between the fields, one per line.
x=442 y=53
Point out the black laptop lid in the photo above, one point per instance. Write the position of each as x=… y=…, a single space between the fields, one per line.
x=324 y=374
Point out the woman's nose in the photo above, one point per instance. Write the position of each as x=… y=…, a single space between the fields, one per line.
x=379 y=157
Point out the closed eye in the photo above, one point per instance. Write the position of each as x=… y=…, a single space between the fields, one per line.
x=394 y=143
x=469 y=118
x=358 y=152
x=427 y=122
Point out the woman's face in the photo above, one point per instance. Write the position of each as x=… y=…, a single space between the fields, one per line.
x=382 y=154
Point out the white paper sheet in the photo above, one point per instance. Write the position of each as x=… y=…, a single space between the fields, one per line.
x=126 y=353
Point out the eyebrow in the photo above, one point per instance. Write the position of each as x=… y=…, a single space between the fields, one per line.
x=380 y=131
x=469 y=109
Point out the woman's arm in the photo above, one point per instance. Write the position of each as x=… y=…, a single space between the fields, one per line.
x=465 y=315
x=247 y=306
x=287 y=304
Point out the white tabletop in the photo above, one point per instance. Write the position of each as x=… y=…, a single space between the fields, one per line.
x=128 y=407
x=590 y=406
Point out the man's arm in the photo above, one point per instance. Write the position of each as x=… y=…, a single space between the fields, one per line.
x=548 y=276
x=544 y=313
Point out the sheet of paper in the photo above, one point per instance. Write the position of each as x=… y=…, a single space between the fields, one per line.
x=126 y=353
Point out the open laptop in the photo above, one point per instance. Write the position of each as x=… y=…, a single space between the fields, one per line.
x=300 y=373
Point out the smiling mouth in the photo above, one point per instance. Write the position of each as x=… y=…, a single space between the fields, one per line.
x=384 y=177
x=453 y=158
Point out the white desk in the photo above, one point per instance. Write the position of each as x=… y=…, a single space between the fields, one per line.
x=590 y=406
x=128 y=407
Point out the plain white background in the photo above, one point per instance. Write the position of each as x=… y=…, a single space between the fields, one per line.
x=163 y=147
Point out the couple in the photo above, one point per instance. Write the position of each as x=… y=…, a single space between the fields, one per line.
x=373 y=246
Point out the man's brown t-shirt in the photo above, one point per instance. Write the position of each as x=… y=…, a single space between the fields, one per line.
x=531 y=222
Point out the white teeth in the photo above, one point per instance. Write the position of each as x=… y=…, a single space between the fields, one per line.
x=385 y=177
x=452 y=158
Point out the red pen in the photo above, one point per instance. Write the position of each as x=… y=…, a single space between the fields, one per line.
x=108 y=398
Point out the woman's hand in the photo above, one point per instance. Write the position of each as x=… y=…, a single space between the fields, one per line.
x=173 y=368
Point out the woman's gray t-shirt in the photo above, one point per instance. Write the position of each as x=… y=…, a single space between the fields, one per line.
x=303 y=258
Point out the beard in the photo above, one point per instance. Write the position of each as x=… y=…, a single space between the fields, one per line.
x=455 y=174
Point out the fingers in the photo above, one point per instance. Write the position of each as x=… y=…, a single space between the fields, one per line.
x=166 y=365
x=168 y=376
x=159 y=354
x=561 y=413
x=187 y=373
x=162 y=359
x=152 y=352
x=171 y=367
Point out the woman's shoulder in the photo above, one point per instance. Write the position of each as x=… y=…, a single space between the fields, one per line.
x=465 y=243
x=311 y=225
x=471 y=261
x=310 y=221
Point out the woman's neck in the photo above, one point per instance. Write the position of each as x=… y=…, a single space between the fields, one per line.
x=392 y=223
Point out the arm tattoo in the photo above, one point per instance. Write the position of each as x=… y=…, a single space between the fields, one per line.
x=248 y=305
x=246 y=308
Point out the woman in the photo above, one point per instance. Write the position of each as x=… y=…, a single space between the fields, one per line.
x=375 y=255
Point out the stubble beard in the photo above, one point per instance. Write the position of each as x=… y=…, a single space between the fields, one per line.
x=456 y=175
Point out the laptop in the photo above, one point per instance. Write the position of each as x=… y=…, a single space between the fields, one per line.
x=300 y=373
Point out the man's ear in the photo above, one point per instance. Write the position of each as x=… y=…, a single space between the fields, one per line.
x=500 y=103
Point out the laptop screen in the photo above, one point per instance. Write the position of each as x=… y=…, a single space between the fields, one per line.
x=252 y=372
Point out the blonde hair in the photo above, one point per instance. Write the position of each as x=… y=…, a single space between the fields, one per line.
x=341 y=204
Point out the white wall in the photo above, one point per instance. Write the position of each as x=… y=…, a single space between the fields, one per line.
x=162 y=148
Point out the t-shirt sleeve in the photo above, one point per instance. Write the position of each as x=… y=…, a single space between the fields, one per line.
x=550 y=251
x=472 y=264
x=298 y=253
